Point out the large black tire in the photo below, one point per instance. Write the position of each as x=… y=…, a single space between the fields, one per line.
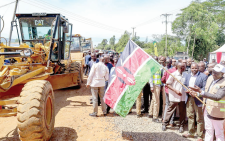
x=75 y=67
x=36 y=111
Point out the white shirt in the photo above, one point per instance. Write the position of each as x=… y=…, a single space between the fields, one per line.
x=98 y=75
x=193 y=79
x=176 y=85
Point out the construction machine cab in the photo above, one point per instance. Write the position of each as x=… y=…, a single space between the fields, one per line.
x=44 y=28
x=76 y=43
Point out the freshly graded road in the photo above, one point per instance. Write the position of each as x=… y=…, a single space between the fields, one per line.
x=73 y=123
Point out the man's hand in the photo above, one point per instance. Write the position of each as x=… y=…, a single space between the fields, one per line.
x=179 y=93
x=152 y=90
x=88 y=86
x=193 y=93
x=196 y=89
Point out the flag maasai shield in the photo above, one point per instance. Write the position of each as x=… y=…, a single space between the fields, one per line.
x=133 y=70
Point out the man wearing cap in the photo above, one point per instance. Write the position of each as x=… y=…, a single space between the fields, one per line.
x=214 y=100
x=100 y=53
x=206 y=63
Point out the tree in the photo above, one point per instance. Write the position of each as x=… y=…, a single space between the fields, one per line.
x=112 y=42
x=196 y=23
x=119 y=47
x=104 y=43
x=217 y=8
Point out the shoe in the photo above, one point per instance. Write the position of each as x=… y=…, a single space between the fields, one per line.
x=138 y=116
x=163 y=127
x=105 y=115
x=93 y=115
x=150 y=116
x=181 y=130
x=173 y=124
x=188 y=135
x=199 y=139
x=144 y=111
x=155 y=120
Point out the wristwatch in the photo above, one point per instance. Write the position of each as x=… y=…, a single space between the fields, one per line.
x=198 y=94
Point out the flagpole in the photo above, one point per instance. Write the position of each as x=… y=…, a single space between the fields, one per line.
x=184 y=86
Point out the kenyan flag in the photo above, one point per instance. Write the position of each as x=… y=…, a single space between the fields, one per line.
x=133 y=70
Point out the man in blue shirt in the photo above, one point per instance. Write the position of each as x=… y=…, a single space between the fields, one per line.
x=93 y=61
x=107 y=59
x=87 y=59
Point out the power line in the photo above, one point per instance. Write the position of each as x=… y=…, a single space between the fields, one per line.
x=157 y=18
x=6 y=10
x=76 y=17
x=7 y=4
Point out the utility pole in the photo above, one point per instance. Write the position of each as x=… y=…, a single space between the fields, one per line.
x=133 y=30
x=13 y=19
x=166 y=21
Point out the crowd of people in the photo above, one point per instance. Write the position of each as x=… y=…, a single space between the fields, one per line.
x=193 y=92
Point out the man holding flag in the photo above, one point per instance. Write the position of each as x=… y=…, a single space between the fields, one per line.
x=214 y=100
x=177 y=96
x=133 y=70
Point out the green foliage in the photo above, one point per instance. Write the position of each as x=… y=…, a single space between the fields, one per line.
x=174 y=44
x=197 y=26
x=119 y=47
x=201 y=25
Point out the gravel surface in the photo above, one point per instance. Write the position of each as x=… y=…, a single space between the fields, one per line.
x=73 y=123
x=143 y=129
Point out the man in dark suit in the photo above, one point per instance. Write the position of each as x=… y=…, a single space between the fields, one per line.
x=194 y=106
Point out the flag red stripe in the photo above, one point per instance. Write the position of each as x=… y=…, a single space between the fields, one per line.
x=116 y=88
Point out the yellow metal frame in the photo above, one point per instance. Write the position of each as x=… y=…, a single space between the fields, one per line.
x=32 y=68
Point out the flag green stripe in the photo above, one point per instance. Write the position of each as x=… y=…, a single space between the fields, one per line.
x=143 y=75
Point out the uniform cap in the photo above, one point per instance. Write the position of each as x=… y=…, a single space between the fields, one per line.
x=219 y=68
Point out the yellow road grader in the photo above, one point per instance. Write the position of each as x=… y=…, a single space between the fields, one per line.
x=29 y=73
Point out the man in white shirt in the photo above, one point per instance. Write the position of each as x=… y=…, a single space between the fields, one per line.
x=97 y=77
x=177 y=96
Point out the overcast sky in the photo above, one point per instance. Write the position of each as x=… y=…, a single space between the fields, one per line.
x=101 y=19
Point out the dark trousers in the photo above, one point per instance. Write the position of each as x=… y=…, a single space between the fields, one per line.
x=87 y=69
x=166 y=107
x=106 y=86
x=146 y=93
x=172 y=107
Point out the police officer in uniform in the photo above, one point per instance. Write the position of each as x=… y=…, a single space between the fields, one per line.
x=214 y=98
